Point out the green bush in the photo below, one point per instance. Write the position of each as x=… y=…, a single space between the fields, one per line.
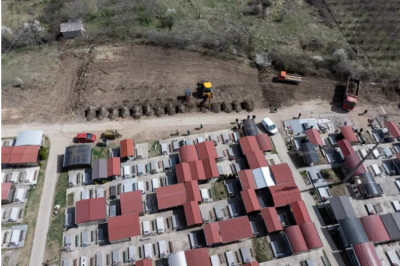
x=43 y=153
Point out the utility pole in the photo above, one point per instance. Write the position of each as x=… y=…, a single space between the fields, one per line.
x=350 y=174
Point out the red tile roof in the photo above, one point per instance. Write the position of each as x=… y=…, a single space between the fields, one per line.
x=171 y=196
x=131 y=202
x=193 y=191
x=310 y=235
x=123 y=226
x=374 y=228
x=256 y=160
x=249 y=144
x=366 y=254
x=285 y=194
x=264 y=142
x=5 y=189
x=19 y=154
x=300 y=212
x=183 y=172
x=253 y=263
x=296 y=239
x=127 y=148
x=271 y=219
x=314 y=137
x=210 y=168
x=346 y=147
x=90 y=210
x=282 y=173
x=393 y=129
x=250 y=200
x=188 y=153
x=197 y=257
x=247 y=179
x=144 y=262
x=192 y=213
x=235 y=229
x=348 y=133
x=206 y=150
x=351 y=162
x=211 y=231
x=197 y=170
x=113 y=166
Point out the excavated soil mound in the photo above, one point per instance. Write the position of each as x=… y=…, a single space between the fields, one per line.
x=137 y=111
x=114 y=113
x=248 y=105
x=226 y=107
x=180 y=109
x=91 y=113
x=236 y=106
x=147 y=110
x=159 y=110
x=216 y=107
x=124 y=112
x=170 y=108
x=103 y=113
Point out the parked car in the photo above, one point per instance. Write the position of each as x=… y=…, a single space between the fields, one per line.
x=85 y=138
x=269 y=126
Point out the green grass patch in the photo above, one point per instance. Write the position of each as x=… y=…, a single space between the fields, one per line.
x=100 y=153
x=71 y=200
x=262 y=249
x=155 y=148
x=6 y=261
x=218 y=190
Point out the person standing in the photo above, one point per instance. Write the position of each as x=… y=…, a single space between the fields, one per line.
x=188 y=132
x=254 y=117
x=299 y=116
x=276 y=109
x=201 y=126
x=248 y=117
x=364 y=113
x=177 y=132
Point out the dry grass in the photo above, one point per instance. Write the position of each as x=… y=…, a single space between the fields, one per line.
x=31 y=212
x=262 y=249
x=339 y=190
x=6 y=261
x=218 y=190
x=155 y=148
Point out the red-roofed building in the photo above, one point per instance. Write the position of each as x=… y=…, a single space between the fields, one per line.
x=192 y=213
x=264 y=142
x=282 y=173
x=310 y=235
x=300 y=212
x=7 y=193
x=256 y=160
x=250 y=200
x=188 y=153
x=127 y=148
x=296 y=239
x=144 y=262
x=210 y=168
x=197 y=170
x=122 y=228
x=247 y=179
x=271 y=219
x=284 y=194
x=348 y=133
x=20 y=155
x=131 y=202
x=366 y=254
x=253 y=263
x=235 y=229
x=183 y=172
x=193 y=191
x=206 y=150
x=171 y=196
x=393 y=129
x=352 y=161
x=314 y=137
x=113 y=166
x=211 y=232
x=346 y=147
x=197 y=257
x=90 y=211
x=249 y=145
x=374 y=228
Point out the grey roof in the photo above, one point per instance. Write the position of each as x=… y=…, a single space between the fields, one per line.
x=177 y=259
x=65 y=263
x=72 y=25
x=99 y=169
x=369 y=185
x=78 y=155
x=392 y=224
x=99 y=259
x=341 y=207
x=29 y=137
x=250 y=128
x=353 y=231
x=308 y=153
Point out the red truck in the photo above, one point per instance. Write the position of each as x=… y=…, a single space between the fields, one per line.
x=351 y=94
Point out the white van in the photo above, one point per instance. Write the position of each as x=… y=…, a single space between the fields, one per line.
x=269 y=126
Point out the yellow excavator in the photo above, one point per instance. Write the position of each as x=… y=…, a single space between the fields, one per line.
x=206 y=89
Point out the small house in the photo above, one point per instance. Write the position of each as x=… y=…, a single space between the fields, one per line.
x=72 y=29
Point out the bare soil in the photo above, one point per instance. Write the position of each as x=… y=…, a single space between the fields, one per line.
x=118 y=77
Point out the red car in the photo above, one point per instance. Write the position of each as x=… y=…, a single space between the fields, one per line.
x=85 y=138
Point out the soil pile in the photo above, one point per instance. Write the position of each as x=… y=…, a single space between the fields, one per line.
x=236 y=106
x=124 y=111
x=248 y=105
x=114 y=113
x=103 y=113
x=226 y=107
x=137 y=111
x=216 y=107
x=91 y=113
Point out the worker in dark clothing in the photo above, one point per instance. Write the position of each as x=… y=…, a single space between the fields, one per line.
x=237 y=120
x=364 y=113
x=276 y=109
x=201 y=126
x=299 y=116
x=248 y=117
x=188 y=132
x=177 y=132
x=254 y=117
x=361 y=130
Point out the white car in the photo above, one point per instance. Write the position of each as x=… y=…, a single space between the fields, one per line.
x=269 y=125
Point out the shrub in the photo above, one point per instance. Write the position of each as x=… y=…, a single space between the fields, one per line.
x=43 y=153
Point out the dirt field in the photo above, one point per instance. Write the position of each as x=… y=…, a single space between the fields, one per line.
x=123 y=76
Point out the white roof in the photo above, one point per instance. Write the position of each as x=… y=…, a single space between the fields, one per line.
x=148 y=250
x=263 y=177
x=30 y=174
x=177 y=259
x=324 y=192
x=146 y=226
x=140 y=185
x=160 y=224
x=214 y=260
x=14 y=214
x=204 y=193
x=156 y=183
x=99 y=192
x=131 y=252
x=85 y=194
x=14 y=177
x=29 y=137
x=3 y=175
x=15 y=235
x=20 y=195
x=163 y=247
x=127 y=170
